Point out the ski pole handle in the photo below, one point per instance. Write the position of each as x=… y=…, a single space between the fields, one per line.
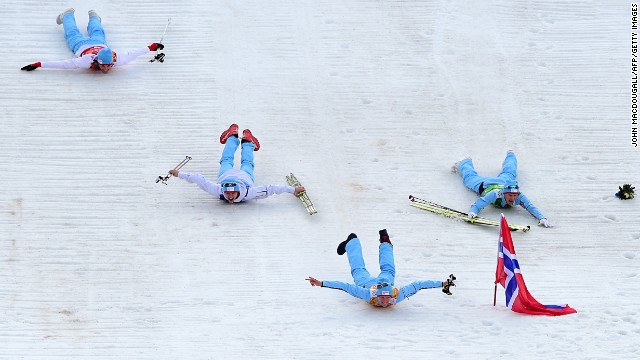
x=163 y=179
x=158 y=57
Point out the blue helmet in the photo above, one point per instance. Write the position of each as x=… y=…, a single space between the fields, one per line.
x=105 y=56
x=230 y=184
x=511 y=186
x=384 y=289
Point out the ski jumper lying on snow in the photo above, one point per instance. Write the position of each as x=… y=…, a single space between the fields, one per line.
x=377 y=291
x=91 y=52
x=501 y=191
x=236 y=185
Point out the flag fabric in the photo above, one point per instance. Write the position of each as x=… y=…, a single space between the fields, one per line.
x=509 y=276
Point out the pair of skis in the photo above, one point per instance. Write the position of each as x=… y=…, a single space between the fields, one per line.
x=293 y=181
x=416 y=202
x=456 y=214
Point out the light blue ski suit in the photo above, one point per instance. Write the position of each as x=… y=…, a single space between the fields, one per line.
x=490 y=188
x=82 y=45
x=365 y=284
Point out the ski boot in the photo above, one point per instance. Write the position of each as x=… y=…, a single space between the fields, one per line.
x=384 y=236
x=93 y=13
x=247 y=136
x=342 y=247
x=231 y=131
x=60 y=17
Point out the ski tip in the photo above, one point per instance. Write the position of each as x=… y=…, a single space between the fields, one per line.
x=411 y=197
x=523 y=228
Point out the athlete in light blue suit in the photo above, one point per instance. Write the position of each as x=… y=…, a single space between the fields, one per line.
x=91 y=51
x=237 y=185
x=501 y=191
x=377 y=291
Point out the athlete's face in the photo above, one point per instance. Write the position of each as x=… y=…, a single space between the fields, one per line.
x=105 y=67
x=384 y=300
x=511 y=198
x=231 y=196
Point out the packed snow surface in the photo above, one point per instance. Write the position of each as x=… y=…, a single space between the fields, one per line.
x=366 y=102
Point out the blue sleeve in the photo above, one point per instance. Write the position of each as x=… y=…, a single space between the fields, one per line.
x=353 y=290
x=482 y=202
x=411 y=289
x=204 y=184
x=528 y=205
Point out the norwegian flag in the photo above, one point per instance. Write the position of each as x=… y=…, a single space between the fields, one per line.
x=509 y=276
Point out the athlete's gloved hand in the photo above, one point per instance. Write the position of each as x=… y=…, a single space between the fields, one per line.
x=298 y=190
x=447 y=284
x=472 y=215
x=544 y=222
x=31 y=67
x=155 y=47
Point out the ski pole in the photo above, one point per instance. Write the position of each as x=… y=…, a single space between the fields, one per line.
x=164 y=179
x=160 y=57
x=165 y=30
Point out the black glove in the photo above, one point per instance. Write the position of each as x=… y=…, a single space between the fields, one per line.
x=156 y=47
x=31 y=67
x=448 y=284
x=626 y=192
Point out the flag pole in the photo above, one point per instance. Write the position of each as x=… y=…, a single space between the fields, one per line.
x=495 y=283
x=495 y=290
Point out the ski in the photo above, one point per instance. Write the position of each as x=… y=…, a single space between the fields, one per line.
x=293 y=181
x=456 y=214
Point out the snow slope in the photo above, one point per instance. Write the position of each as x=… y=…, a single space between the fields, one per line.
x=366 y=102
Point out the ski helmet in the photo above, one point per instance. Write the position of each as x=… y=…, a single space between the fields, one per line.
x=511 y=186
x=384 y=289
x=105 y=56
x=230 y=184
